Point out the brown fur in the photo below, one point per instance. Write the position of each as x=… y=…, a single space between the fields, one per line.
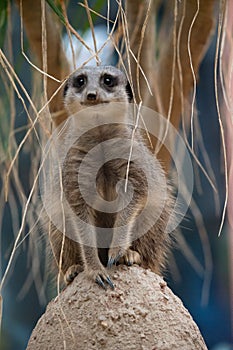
x=151 y=248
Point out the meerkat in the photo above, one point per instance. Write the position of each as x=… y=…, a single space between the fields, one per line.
x=93 y=87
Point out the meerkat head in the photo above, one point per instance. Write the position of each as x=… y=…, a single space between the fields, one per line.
x=90 y=86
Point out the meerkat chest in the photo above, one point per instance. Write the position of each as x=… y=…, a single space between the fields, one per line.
x=95 y=158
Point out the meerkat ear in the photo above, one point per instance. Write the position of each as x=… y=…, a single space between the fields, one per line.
x=129 y=92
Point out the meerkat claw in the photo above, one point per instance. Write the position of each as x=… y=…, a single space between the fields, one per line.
x=71 y=277
x=111 y=261
x=108 y=280
x=117 y=258
x=131 y=257
x=100 y=282
x=72 y=272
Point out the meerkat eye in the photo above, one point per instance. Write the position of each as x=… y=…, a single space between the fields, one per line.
x=109 y=81
x=80 y=81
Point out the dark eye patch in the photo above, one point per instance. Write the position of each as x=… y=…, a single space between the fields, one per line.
x=65 y=89
x=129 y=92
x=80 y=81
x=109 y=81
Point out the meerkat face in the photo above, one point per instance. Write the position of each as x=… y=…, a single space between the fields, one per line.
x=96 y=85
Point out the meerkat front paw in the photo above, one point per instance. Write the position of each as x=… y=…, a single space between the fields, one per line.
x=128 y=257
x=101 y=277
x=114 y=255
x=72 y=272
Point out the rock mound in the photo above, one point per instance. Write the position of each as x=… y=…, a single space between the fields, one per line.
x=141 y=313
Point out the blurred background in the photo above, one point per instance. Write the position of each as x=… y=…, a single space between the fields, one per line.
x=22 y=306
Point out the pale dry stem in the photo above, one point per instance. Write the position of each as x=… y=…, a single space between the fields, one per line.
x=220 y=23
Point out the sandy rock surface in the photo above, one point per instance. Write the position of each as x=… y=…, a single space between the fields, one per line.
x=141 y=313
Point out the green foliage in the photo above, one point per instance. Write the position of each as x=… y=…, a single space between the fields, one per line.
x=97 y=6
x=57 y=10
x=4 y=129
x=3 y=21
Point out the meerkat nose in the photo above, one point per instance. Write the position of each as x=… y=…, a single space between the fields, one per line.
x=91 y=96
